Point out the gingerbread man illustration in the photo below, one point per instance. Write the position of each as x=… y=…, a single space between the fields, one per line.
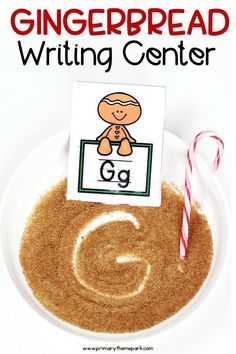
x=119 y=109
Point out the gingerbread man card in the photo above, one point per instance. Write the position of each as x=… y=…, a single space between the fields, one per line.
x=116 y=143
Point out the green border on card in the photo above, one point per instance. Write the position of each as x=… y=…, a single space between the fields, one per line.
x=81 y=189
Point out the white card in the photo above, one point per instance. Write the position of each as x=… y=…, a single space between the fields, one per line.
x=116 y=144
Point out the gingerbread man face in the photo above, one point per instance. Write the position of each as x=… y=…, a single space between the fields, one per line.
x=119 y=108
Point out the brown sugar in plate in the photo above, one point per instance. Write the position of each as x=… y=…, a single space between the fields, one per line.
x=121 y=277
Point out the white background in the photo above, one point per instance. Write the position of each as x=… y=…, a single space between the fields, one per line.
x=35 y=103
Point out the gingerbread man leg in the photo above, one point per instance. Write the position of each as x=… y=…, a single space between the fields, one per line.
x=104 y=147
x=125 y=148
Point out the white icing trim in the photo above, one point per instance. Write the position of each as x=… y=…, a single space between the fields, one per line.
x=122 y=103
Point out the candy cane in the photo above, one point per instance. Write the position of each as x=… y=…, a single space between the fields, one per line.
x=188 y=177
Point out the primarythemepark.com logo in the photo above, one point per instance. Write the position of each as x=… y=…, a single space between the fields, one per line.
x=118 y=348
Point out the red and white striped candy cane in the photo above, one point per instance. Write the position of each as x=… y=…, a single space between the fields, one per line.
x=188 y=177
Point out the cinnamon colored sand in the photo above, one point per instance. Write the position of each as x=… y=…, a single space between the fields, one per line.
x=121 y=278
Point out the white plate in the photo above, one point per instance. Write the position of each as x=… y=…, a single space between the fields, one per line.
x=48 y=164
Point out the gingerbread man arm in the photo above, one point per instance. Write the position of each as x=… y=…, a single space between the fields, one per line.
x=128 y=136
x=104 y=134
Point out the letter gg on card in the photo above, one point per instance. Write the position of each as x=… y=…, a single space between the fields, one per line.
x=116 y=144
